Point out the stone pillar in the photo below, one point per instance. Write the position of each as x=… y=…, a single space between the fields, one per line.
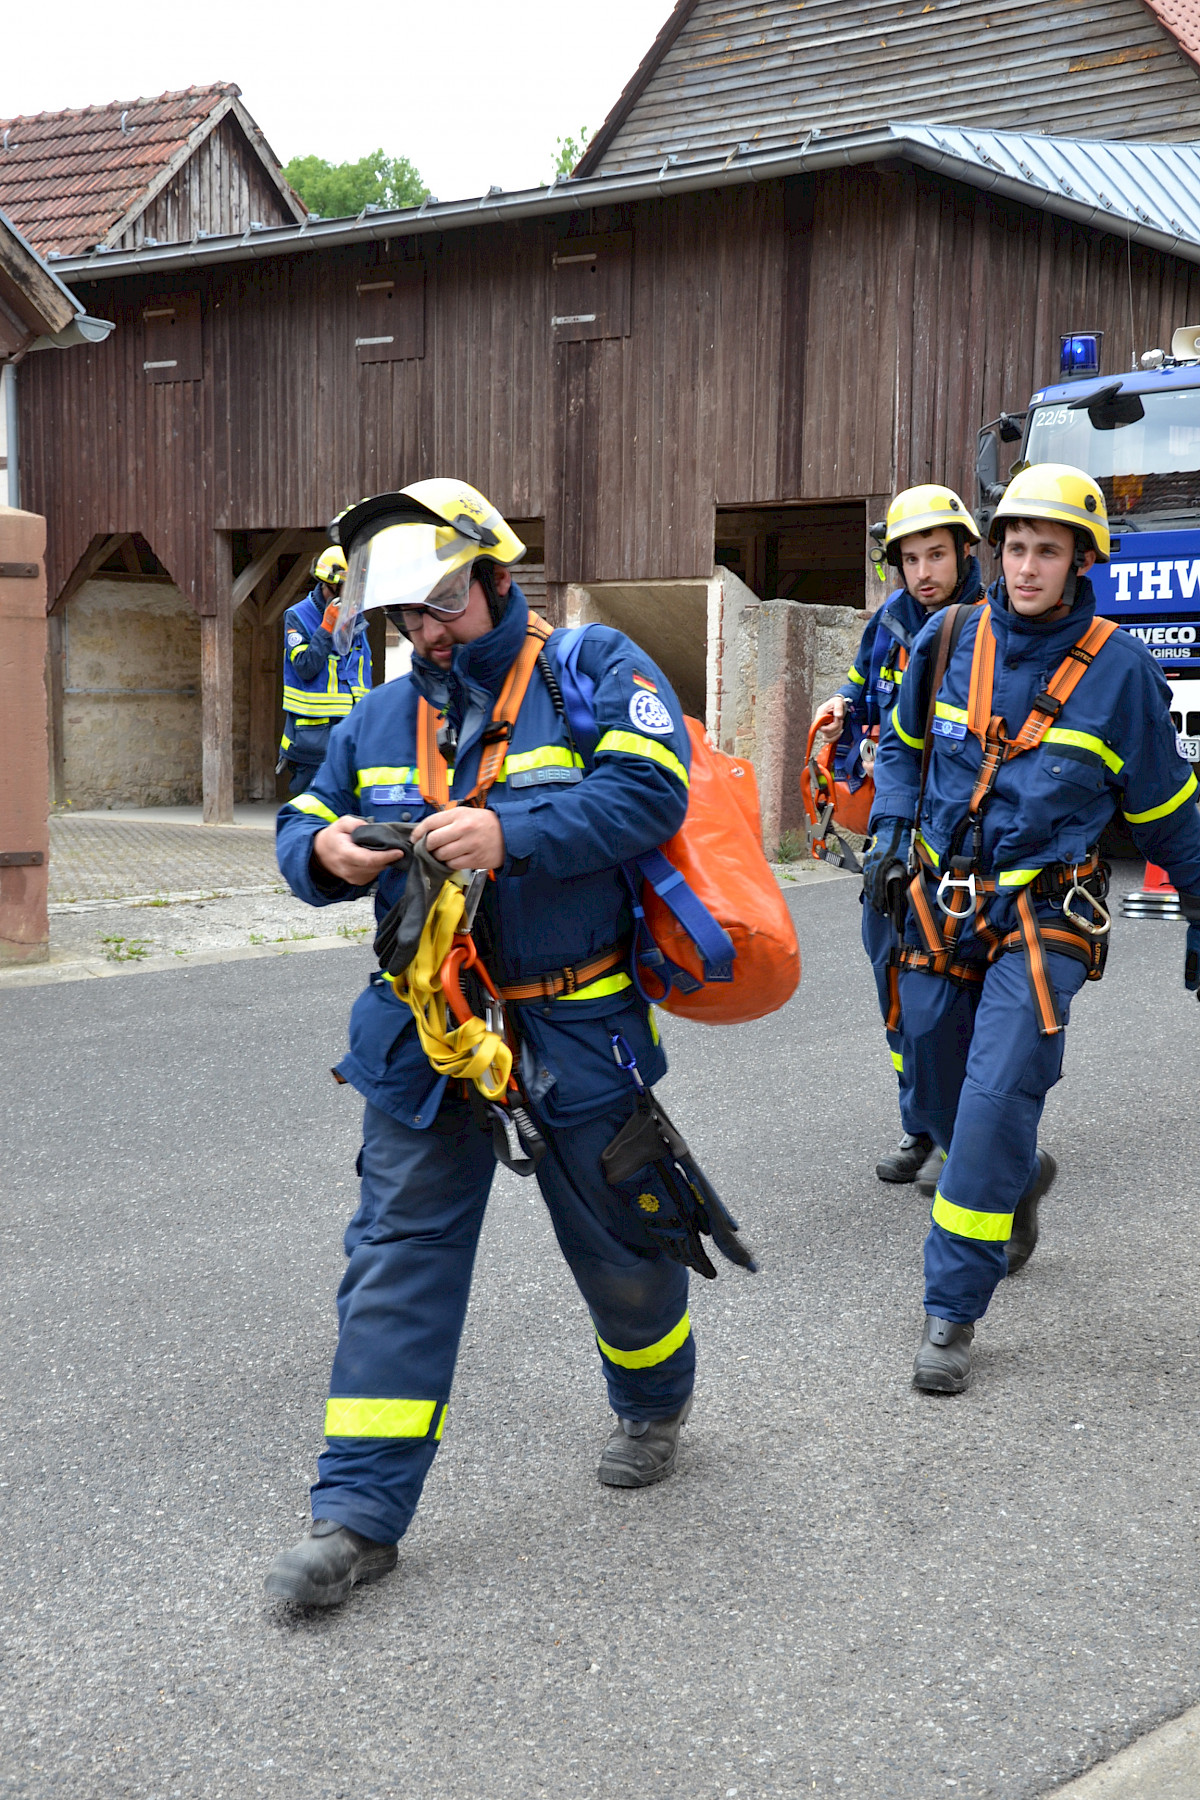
x=782 y=711
x=24 y=797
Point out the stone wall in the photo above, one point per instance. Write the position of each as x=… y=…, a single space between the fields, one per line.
x=131 y=697
x=835 y=639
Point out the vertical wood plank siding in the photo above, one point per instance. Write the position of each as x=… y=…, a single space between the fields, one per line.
x=814 y=340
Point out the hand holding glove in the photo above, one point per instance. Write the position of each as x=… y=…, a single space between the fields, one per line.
x=886 y=853
x=330 y=616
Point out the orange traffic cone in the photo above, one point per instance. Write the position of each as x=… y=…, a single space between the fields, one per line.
x=1156 y=899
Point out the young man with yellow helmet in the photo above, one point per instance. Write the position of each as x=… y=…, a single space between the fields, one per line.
x=928 y=540
x=1021 y=727
x=480 y=788
x=321 y=684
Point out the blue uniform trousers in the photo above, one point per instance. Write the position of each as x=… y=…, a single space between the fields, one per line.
x=981 y=1071
x=411 y=1247
x=878 y=936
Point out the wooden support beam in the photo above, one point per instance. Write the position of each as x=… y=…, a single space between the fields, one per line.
x=293 y=583
x=265 y=715
x=97 y=552
x=278 y=545
x=216 y=694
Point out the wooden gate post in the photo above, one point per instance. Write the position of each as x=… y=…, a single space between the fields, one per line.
x=216 y=694
x=24 y=798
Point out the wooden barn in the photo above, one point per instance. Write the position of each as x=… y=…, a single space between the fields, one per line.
x=813 y=248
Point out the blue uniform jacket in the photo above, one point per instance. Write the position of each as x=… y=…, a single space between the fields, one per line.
x=560 y=897
x=319 y=686
x=1113 y=745
x=872 y=684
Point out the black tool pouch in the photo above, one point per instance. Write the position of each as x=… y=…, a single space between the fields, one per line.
x=651 y=1167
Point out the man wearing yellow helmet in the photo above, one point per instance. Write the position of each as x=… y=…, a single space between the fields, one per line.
x=322 y=682
x=1021 y=727
x=927 y=539
x=483 y=781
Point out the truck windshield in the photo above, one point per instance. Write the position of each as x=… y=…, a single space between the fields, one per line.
x=1143 y=449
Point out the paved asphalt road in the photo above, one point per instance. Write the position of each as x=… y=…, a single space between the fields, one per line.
x=847 y=1589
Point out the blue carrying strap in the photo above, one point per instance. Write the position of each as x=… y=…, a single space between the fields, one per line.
x=714 y=946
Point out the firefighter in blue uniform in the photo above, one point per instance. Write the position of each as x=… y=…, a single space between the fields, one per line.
x=320 y=685
x=1046 y=719
x=555 y=926
x=927 y=539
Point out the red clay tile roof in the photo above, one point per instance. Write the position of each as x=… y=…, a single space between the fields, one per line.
x=66 y=178
x=1182 y=20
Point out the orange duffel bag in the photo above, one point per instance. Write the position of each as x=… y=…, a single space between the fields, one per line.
x=830 y=803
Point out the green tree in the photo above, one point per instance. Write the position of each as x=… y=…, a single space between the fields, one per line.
x=569 y=151
x=340 y=190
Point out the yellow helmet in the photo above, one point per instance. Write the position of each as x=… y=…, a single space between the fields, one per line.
x=1058 y=492
x=925 y=509
x=417 y=548
x=330 y=566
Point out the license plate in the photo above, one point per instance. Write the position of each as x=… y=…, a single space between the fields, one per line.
x=1189 y=748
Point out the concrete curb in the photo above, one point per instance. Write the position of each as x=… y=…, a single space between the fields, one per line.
x=1164 y=1765
x=93 y=968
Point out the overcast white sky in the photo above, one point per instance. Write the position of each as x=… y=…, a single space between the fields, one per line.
x=473 y=93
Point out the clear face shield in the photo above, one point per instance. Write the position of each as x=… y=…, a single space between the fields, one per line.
x=412 y=565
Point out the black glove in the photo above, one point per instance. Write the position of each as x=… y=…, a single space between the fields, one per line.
x=652 y=1168
x=400 y=929
x=886 y=855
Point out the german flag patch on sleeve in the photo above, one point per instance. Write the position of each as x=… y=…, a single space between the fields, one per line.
x=644 y=681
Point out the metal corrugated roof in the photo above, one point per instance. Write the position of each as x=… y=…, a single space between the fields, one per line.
x=1149 y=193
x=765 y=72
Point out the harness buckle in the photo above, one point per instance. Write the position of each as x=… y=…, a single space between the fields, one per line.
x=1046 y=703
x=1100 y=923
x=952 y=883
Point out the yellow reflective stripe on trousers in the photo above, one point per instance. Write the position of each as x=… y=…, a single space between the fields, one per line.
x=985 y=1227
x=1083 y=740
x=546 y=756
x=853 y=675
x=912 y=742
x=404 y=776
x=944 y=710
x=596 y=990
x=1168 y=806
x=373 y=1418
x=308 y=803
x=898 y=1062
x=632 y=745
x=653 y=1353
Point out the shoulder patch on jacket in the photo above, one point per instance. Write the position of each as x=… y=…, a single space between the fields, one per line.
x=649 y=714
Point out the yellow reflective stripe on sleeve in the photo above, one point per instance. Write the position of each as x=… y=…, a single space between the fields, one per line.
x=293 y=653
x=898 y=1062
x=308 y=803
x=929 y=850
x=914 y=743
x=653 y=1353
x=653 y=1024
x=1014 y=878
x=403 y=776
x=633 y=745
x=1083 y=740
x=944 y=710
x=852 y=674
x=596 y=990
x=379 y=1418
x=985 y=1227
x=1168 y=806
x=546 y=756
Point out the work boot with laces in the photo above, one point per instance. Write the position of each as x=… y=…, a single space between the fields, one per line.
x=1022 y=1243
x=322 y=1568
x=642 y=1451
x=943 y=1362
x=906 y=1160
x=930 y=1172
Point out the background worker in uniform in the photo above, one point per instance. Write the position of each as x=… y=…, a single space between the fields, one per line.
x=320 y=685
x=1045 y=721
x=554 y=928
x=927 y=539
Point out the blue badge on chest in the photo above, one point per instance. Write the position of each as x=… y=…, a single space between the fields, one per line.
x=394 y=796
x=949 y=728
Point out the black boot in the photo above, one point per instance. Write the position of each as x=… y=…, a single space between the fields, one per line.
x=1023 y=1242
x=931 y=1172
x=903 y=1163
x=642 y=1451
x=322 y=1568
x=943 y=1363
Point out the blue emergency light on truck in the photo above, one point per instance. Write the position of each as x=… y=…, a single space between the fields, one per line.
x=1138 y=435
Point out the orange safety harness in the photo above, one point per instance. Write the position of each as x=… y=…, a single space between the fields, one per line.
x=432 y=774
x=962 y=891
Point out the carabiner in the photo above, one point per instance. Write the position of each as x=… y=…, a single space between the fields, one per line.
x=1101 y=922
x=951 y=883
